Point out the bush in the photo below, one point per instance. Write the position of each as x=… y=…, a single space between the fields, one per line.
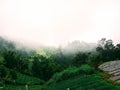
x=1 y=84
x=25 y=79
x=87 y=69
x=71 y=72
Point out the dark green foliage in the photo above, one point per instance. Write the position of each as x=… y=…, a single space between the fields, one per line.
x=71 y=72
x=13 y=75
x=3 y=71
x=20 y=67
x=86 y=69
x=80 y=58
x=7 y=75
x=60 y=62
x=35 y=67
x=1 y=84
x=106 y=50
x=2 y=61
x=10 y=59
x=117 y=51
x=14 y=60
x=89 y=82
x=25 y=79
x=93 y=59
x=43 y=68
x=22 y=87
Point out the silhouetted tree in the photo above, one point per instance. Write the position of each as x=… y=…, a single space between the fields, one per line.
x=106 y=50
x=43 y=68
x=80 y=58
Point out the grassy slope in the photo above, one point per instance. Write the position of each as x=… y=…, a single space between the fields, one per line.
x=86 y=82
x=25 y=79
x=90 y=82
x=35 y=87
x=93 y=81
x=22 y=80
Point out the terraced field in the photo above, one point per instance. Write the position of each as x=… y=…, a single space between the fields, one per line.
x=86 y=82
x=112 y=68
x=25 y=79
x=37 y=87
x=91 y=82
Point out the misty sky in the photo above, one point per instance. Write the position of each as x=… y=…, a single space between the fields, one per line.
x=54 y=22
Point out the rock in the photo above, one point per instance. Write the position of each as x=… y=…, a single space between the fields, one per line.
x=112 y=68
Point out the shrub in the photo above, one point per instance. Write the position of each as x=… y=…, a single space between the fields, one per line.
x=71 y=72
x=23 y=79
x=87 y=69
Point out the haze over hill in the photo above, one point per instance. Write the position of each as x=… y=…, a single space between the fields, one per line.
x=59 y=44
x=54 y=22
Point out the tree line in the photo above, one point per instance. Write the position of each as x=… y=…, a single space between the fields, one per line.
x=43 y=67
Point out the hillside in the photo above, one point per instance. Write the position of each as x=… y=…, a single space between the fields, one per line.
x=57 y=68
x=89 y=82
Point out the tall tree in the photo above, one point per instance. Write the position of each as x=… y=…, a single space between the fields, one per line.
x=106 y=50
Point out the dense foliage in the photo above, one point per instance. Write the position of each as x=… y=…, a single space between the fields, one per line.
x=20 y=66
x=71 y=72
x=90 y=82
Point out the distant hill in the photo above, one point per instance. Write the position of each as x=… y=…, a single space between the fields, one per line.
x=77 y=46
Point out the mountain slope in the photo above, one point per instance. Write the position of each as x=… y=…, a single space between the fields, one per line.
x=88 y=82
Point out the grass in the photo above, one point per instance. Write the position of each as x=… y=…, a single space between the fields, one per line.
x=35 y=87
x=83 y=78
x=87 y=82
x=25 y=79
x=71 y=72
x=84 y=82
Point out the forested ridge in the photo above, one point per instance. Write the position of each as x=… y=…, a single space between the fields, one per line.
x=47 y=66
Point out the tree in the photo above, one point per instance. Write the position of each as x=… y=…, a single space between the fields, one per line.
x=43 y=68
x=117 y=51
x=13 y=74
x=106 y=50
x=3 y=71
x=80 y=58
x=14 y=60
x=36 y=67
x=11 y=59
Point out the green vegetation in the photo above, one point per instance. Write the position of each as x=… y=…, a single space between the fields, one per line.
x=84 y=82
x=88 y=82
x=71 y=72
x=56 y=68
x=11 y=87
x=25 y=79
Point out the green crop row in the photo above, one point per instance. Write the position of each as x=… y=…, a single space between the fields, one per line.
x=90 y=82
